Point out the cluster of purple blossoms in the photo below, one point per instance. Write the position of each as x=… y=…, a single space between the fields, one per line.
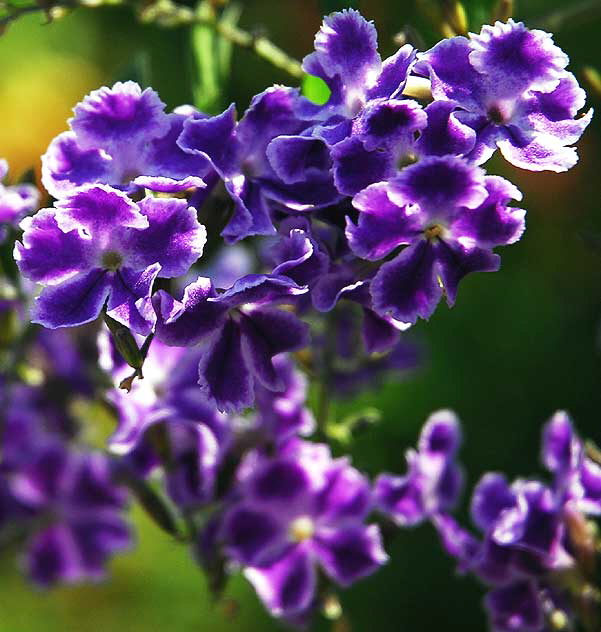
x=363 y=212
x=60 y=498
x=537 y=547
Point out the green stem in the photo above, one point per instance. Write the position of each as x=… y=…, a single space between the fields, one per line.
x=260 y=45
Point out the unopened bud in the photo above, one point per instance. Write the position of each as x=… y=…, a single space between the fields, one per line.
x=125 y=342
x=559 y=620
x=331 y=608
x=455 y=16
x=592 y=77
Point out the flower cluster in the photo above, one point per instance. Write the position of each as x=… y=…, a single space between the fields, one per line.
x=536 y=551
x=327 y=231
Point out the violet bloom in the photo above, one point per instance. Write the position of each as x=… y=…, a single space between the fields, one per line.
x=16 y=200
x=451 y=216
x=533 y=535
x=121 y=136
x=366 y=121
x=78 y=510
x=97 y=246
x=510 y=85
x=299 y=511
x=240 y=332
x=256 y=177
x=433 y=481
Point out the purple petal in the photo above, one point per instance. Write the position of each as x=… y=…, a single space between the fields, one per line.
x=260 y=289
x=380 y=334
x=590 y=482
x=493 y=223
x=165 y=158
x=174 y=238
x=66 y=166
x=267 y=332
x=560 y=445
x=346 y=48
x=100 y=210
x=252 y=537
x=211 y=138
x=119 y=117
x=129 y=301
x=75 y=301
x=17 y=200
x=390 y=124
x=444 y=132
x=356 y=168
x=281 y=482
x=552 y=113
x=391 y=80
x=515 y=59
x=224 y=375
x=439 y=184
x=456 y=262
x=48 y=254
x=187 y=323
x=251 y=214
x=456 y=541
x=97 y=539
x=382 y=225
x=350 y=554
x=331 y=287
x=298 y=257
x=407 y=287
x=441 y=434
x=163 y=184
x=544 y=153
x=346 y=497
x=491 y=497
x=287 y=587
x=451 y=73
x=400 y=497
x=52 y=556
x=297 y=158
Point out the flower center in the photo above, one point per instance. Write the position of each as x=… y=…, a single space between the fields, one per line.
x=434 y=231
x=498 y=114
x=111 y=260
x=301 y=529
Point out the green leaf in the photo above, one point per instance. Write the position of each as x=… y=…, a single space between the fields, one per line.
x=315 y=89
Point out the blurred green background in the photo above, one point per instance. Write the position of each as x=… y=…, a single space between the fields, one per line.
x=518 y=345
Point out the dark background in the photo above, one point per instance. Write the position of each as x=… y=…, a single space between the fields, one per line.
x=518 y=345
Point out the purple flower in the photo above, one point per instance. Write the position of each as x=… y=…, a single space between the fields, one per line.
x=298 y=511
x=509 y=84
x=239 y=330
x=122 y=137
x=577 y=478
x=433 y=482
x=449 y=214
x=73 y=496
x=16 y=200
x=97 y=246
x=257 y=173
x=346 y=58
